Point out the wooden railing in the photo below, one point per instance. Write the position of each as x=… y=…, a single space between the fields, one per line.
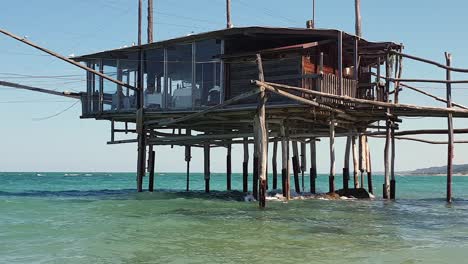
x=330 y=83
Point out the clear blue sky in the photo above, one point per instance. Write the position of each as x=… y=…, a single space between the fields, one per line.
x=66 y=143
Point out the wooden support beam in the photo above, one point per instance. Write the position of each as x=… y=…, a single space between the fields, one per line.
x=421 y=132
x=313 y=165
x=432 y=96
x=228 y=167
x=151 y=164
x=355 y=163
x=429 y=62
x=362 y=157
x=303 y=163
x=386 y=185
x=63 y=58
x=275 y=165
x=141 y=161
x=392 y=164
x=331 y=180
x=285 y=162
x=150 y=21
x=276 y=88
x=188 y=158
x=262 y=137
x=357 y=7
x=245 y=166
x=340 y=62
x=369 y=168
x=40 y=90
x=346 y=163
x=207 y=173
x=255 y=177
x=448 y=58
x=228 y=14
x=296 y=167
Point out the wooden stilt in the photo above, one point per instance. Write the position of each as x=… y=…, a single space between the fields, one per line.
x=392 y=165
x=331 y=180
x=206 y=149
x=141 y=161
x=255 y=175
x=362 y=158
x=245 y=166
x=284 y=162
x=303 y=163
x=369 y=168
x=296 y=166
x=313 y=165
x=188 y=158
x=262 y=138
x=386 y=185
x=228 y=167
x=346 y=164
x=274 y=165
x=355 y=163
x=448 y=58
x=151 y=163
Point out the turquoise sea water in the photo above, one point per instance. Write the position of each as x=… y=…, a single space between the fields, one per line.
x=98 y=218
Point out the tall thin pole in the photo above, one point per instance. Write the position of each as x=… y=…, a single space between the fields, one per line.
x=150 y=21
x=228 y=14
x=140 y=12
x=448 y=58
x=357 y=6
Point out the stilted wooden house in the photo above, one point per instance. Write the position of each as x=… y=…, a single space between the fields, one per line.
x=258 y=85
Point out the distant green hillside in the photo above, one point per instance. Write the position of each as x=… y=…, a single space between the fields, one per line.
x=457 y=169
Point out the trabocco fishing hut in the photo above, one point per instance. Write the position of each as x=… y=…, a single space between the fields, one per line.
x=260 y=85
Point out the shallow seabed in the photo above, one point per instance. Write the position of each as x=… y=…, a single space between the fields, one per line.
x=96 y=218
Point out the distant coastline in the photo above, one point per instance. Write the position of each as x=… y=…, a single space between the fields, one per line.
x=458 y=170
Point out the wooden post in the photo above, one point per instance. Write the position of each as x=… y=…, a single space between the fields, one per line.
x=188 y=158
x=362 y=158
x=346 y=164
x=331 y=181
x=295 y=163
x=313 y=165
x=206 y=149
x=357 y=6
x=150 y=21
x=340 y=62
x=355 y=163
x=303 y=163
x=386 y=185
x=245 y=166
x=255 y=172
x=285 y=162
x=275 y=165
x=448 y=58
x=369 y=168
x=228 y=14
x=228 y=167
x=141 y=161
x=262 y=137
x=392 y=163
x=151 y=163
x=140 y=14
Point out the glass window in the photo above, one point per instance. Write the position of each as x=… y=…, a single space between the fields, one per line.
x=154 y=78
x=208 y=73
x=127 y=72
x=179 y=77
x=111 y=95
